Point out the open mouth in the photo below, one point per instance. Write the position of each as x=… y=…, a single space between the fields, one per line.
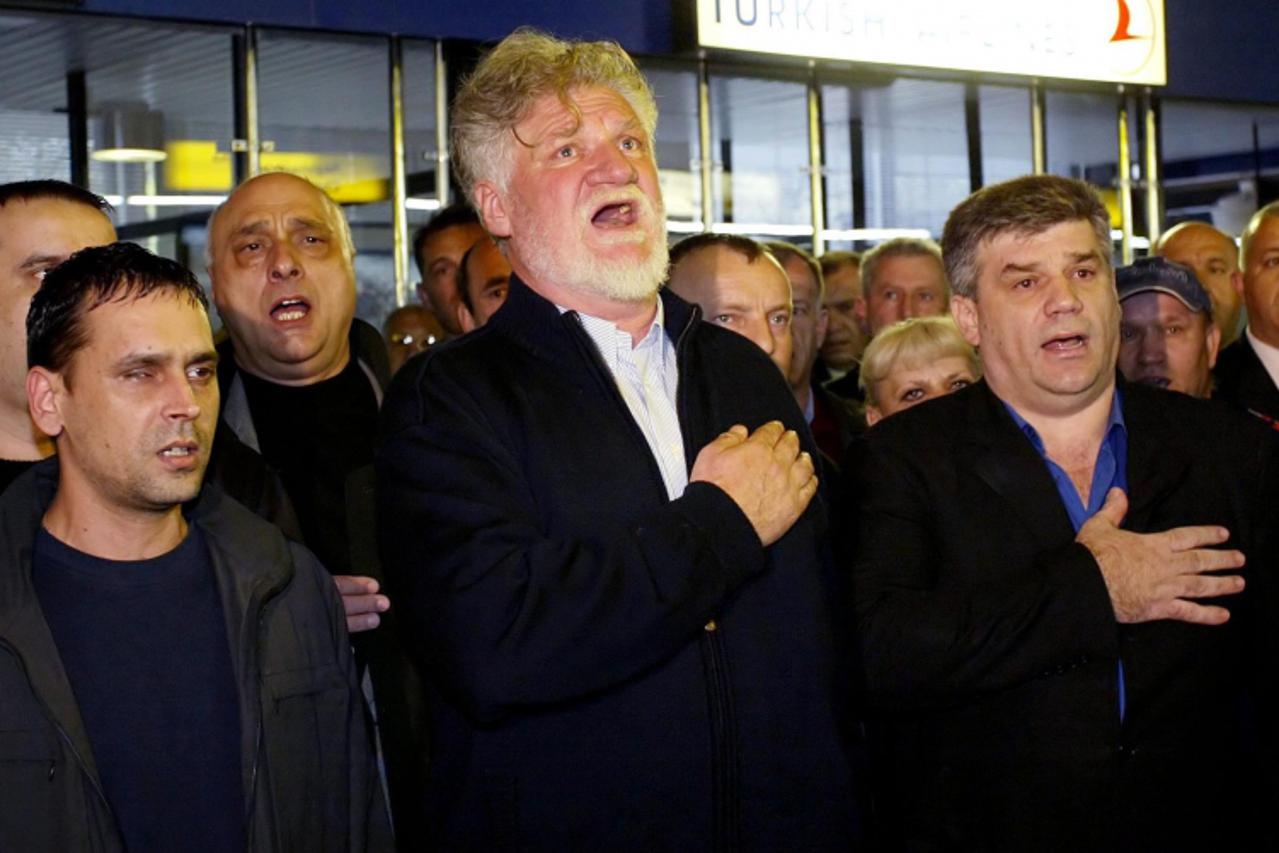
x=180 y=450
x=290 y=308
x=619 y=214
x=1066 y=343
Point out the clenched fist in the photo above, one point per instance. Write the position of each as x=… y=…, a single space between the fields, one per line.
x=764 y=473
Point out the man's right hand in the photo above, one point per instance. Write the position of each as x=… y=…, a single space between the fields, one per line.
x=764 y=473
x=1155 y=575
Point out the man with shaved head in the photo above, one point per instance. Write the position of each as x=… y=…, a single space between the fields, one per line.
x=302 y=381
x=739 y=285
x=1247 y=371
x=1214 y=257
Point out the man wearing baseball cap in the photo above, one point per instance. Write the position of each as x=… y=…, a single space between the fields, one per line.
x=1167 y=335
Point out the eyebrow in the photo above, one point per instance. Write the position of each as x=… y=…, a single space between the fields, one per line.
x=41 y=260
x=263 y=226
x=136 y=360
x=1035 y=266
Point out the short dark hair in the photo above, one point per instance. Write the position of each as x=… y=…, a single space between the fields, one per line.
x=61 y=190
x=463 y=280
x=745 y=246
x=88 y=279
x=1023 y=206
x=454 y=214
x=783 y=251
x=832 y=261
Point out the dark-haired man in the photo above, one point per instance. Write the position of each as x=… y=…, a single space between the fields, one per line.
x=177 y=673
x=438 y=248
x=41 y=224
x=739 y=285
x=846 y=335
x=483 y=281
x=1046 y=566
x=833 y=420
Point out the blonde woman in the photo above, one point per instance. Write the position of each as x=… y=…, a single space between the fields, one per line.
x=913 y=361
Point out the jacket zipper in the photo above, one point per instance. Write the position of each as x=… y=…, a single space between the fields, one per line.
x=724 y=805
x=66 y=738
x=725 y=799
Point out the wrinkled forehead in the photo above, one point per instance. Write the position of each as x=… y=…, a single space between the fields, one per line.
x=275 y=199
x=553 y=113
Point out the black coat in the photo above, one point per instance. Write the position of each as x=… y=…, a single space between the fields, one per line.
x=1241 y=379
x=990 y=645
x=615 y=670
x=239 y=469
x=309 y=777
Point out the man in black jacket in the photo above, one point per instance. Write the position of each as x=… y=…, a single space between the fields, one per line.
x=173 y=676
x=597 y=512
x=301 y=382
x=1046 y=566
x=1247 y=372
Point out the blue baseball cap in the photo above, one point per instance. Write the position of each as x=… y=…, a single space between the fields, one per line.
x=1163 y=276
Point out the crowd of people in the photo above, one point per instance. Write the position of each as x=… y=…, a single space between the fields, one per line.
x=606 y=545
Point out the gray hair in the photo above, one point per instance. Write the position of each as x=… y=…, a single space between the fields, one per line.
x=525 y=66
x=1028 y=205
x=898 y=247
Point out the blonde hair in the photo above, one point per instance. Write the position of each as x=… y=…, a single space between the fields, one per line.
x=909 y=344
x=525 y=66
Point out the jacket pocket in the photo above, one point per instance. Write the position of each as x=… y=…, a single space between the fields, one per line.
x=292 y=683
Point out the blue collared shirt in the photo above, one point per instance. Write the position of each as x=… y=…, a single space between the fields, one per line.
x=1111 y=471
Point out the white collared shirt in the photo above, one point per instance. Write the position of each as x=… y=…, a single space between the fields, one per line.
x=1268 y=355
x=647 y=377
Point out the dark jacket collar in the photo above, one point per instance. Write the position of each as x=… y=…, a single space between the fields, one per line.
x=536 y=322
x=249 y=564
x=1004 y=458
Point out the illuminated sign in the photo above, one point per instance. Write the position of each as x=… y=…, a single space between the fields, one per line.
x=196 y=165
x=1119 y=41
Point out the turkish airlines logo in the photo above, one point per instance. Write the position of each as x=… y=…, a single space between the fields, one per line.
x=1132 y=41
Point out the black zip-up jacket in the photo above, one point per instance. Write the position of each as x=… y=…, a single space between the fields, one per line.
x=309 y=779
x=613 y=670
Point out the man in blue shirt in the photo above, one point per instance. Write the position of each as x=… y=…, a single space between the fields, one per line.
x=1062 y=644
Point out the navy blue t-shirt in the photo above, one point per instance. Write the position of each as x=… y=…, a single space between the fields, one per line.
x=145 y=646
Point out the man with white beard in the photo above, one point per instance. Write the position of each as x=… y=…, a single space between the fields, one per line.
x=600 y=515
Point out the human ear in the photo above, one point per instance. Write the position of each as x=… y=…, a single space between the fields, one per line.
x=491 y=205
x=45 y=390
x=964 y=310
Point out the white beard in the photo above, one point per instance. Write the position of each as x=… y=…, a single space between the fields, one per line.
x=574 y=267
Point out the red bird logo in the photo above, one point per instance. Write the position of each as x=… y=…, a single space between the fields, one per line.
x=1125 y=16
